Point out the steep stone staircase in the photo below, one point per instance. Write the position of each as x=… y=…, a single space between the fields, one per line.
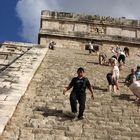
x=40 y=114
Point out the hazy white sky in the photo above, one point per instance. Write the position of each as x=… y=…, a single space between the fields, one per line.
x=29 y=11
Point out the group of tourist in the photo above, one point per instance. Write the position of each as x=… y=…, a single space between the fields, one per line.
x=116 y=61
x=132 y=80
x=80 y=83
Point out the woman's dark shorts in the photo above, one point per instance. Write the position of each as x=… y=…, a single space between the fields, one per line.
x=109 y=79
x=121 y=58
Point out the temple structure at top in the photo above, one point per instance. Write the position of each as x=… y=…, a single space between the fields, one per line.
x=72 y=30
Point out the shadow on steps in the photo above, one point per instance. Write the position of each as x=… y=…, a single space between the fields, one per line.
x=126 y=97
x=46 y=112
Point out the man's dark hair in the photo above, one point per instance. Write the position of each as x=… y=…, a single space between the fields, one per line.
x=138 y=67
x=126 y=50
x=80 y=69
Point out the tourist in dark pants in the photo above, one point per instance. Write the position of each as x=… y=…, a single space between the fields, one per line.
x=81 y=97
x=79 y=84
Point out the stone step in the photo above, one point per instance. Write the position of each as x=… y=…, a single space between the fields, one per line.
x=41 y=112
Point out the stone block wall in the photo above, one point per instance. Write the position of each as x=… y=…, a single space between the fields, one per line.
x=64 y=42
x=120 y=32
x=80 y=27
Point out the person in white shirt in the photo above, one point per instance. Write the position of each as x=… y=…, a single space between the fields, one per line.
x=113 y=76
x=91 y=48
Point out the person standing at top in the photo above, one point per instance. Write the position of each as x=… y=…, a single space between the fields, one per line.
x=79 y=85
x=91 y=49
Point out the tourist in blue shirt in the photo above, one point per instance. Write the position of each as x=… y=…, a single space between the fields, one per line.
x=137 y=73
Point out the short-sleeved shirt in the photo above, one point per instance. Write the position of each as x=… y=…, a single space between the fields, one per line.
x=137 y=75
x=90 y=46
x=79 y=84
x=131 y=78
x=122 y=53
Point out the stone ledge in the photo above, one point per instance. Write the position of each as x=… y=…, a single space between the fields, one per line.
x=12 y=95
x=79 y=35
x=90 y=18
x=94 y=22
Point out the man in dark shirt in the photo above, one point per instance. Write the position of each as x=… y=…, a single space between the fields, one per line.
x=79 y=84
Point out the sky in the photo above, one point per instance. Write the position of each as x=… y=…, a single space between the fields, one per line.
x=20 y=19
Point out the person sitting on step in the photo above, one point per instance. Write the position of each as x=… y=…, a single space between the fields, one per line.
x=133 y=82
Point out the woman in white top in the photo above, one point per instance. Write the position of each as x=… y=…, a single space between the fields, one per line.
x=113 y=76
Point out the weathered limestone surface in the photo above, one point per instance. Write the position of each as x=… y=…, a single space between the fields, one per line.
x=87 y=27
x=121 y=32
x=15 y=78
x=40 y=114
x=65 y=43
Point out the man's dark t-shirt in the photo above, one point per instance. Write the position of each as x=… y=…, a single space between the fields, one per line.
x=79 y=84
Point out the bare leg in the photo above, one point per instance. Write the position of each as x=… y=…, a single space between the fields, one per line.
x=110 y=88
x=114 y=89
x=117 y=85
